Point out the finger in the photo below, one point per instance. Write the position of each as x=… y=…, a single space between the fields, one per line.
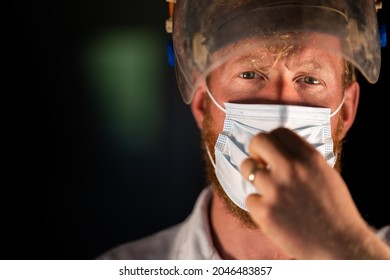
x=292 y=144
x=262 y=148
x=256 y=172
x=279 y=147
x=254 y=202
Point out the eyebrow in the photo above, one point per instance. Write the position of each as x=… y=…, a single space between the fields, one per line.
x=314 y=63
x=252 y=61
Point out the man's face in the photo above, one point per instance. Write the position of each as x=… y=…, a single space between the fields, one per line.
x=280 y=70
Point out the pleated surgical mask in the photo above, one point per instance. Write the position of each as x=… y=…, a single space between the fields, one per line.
x=243 y=121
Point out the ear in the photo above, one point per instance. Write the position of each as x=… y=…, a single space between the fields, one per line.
x=350 y=106
x=198 y=105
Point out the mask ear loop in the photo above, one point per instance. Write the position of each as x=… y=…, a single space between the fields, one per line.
x=223 y=110
x=210 y=157
x=339 y=107
x=334 y=113
x=214 y=101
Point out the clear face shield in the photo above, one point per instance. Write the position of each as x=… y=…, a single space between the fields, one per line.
x=211 y=34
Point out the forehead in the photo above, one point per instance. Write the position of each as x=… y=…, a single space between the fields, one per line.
x=314 y=49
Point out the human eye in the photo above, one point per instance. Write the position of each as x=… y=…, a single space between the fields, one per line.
x=311 y=80
x=251 y=75
x=248 y=75
x=249 y=81
x=310 y=85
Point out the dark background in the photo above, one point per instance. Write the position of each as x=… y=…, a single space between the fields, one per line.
x=70 y=191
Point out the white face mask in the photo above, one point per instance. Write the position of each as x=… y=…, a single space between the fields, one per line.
x=243 y=121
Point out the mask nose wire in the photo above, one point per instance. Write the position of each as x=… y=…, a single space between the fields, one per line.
x=215 y=101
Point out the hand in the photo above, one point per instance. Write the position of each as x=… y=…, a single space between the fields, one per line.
x=305 y=206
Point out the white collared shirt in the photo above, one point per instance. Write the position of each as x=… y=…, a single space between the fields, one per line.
x=189 y=240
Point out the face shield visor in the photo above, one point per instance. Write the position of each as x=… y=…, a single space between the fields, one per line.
x=206 y=34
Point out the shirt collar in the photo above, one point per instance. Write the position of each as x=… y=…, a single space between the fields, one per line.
x=194 y=240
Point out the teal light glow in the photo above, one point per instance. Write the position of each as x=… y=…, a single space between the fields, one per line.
x=125 y=69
